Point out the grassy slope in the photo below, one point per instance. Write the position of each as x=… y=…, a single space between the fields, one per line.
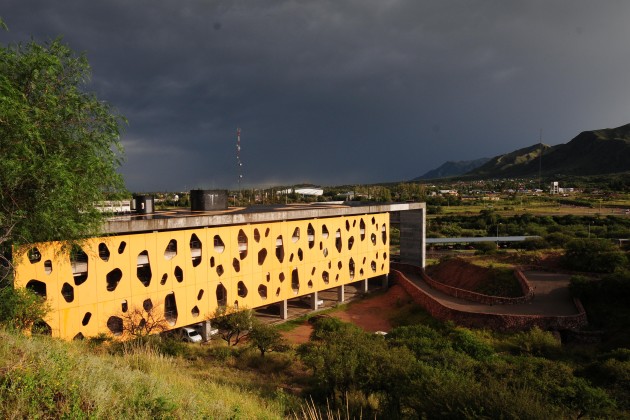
x=42 y=377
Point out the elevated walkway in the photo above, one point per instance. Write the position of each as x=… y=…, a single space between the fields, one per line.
x=551 y=308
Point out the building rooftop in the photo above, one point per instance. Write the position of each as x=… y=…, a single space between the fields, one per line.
x=186 y=219
x=479 y=239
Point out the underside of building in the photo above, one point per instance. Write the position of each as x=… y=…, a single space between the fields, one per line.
x=183 y=265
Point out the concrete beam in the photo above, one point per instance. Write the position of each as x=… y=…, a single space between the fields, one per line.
x=183 y=219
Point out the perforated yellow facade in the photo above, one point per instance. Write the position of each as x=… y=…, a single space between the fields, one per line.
x=188 y=273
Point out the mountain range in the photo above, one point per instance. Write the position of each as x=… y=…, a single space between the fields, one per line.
x=595 y=152
x=451 y=168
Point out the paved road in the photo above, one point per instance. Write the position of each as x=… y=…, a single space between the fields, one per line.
x=551 y=297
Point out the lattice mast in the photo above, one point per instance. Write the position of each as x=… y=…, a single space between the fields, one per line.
x=540 y=161
x=239 y=164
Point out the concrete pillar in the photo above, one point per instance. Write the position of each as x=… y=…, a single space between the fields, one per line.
x=314 y=300
x=341 y=294
x=385 y=280
x=205 y=330
x=363 y=286
x=284 y=309
x=412 y=237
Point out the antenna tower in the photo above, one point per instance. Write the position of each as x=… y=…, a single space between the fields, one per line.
x=239 y=164
x=540 y=161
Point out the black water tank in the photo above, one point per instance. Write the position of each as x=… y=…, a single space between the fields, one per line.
x=208 y=200
x=143 y=204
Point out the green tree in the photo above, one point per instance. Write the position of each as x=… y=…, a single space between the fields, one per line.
x=265 y=338
x=60 y=146
x=594 y=255
x=232 y=323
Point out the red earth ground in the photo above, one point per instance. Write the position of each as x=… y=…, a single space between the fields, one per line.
x=372 y=313
x=459 y=273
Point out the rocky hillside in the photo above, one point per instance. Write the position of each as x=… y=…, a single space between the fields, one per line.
x=589 y=153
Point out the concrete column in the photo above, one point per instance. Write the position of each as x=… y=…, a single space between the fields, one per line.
x=314 y=300
x=341 y=294
x=363 y=286
x=385 y=280
x=205 y=330
x=412 y=237
x=284 y=309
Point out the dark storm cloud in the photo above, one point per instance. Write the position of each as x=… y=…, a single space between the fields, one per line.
x=341 y=91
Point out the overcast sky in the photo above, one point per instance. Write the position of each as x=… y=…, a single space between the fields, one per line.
x=336 y=92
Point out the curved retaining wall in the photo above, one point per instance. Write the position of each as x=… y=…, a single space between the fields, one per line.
x=497 y=322
x=527 y=289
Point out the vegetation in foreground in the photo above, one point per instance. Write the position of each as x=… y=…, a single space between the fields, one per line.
x=441 y=370
x=423 y=368
x=418 y=370
x=42 y=377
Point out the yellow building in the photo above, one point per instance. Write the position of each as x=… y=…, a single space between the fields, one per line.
x=185 y=264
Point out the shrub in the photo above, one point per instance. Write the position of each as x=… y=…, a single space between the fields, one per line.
x=558 y=239
x=464 y=340
x=533 y=244
x=270 y=364
x=486 y=248
x=326 y=325
x=21 y=309
x=580 y=286
x=221 y=353
x=536 y=342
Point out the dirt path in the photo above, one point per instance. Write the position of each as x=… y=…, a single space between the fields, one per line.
x=551 y=297
x=372 y=314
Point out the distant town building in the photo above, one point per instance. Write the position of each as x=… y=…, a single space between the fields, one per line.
x=556 y=189
x=309 y=191
x=313 y=191
x=449 y=192
x=116 y=207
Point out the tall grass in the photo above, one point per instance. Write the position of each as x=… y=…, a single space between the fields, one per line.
x=45 y=378
x=310 y=411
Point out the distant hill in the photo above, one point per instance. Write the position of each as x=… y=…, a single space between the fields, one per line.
x=451 y=168
x=512 y=162
x=594 y=152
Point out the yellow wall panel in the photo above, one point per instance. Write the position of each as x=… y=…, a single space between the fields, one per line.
x=112 y=273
